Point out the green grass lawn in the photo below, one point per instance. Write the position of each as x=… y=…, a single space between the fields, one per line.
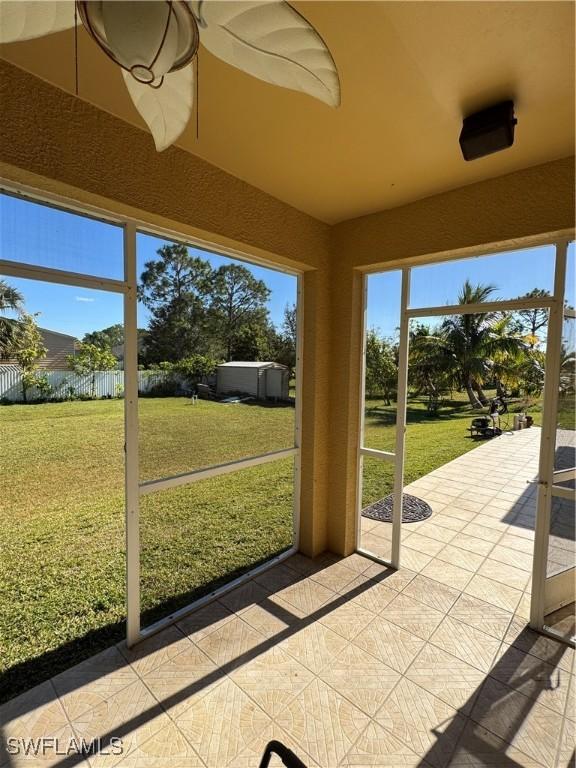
x=62 y=566
x=431 y=441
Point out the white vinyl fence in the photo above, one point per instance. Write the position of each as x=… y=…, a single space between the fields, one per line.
x=66 y=384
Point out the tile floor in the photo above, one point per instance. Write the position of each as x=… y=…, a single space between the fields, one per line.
x=344 y=660
x=480 y=537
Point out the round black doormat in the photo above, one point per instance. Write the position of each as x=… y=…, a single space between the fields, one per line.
x=413 y=509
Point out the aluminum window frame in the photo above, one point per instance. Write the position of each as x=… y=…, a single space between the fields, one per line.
x=555 y=306
x=133 y=487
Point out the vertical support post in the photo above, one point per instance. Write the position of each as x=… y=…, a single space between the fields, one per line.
x=548 y=441
x=132 y=490
x=401 y=420
x=360 y=459
x=298 y=410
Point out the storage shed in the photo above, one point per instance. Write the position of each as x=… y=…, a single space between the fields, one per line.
x=262 y=380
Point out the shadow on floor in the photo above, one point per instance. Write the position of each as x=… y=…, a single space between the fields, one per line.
x=496 y=712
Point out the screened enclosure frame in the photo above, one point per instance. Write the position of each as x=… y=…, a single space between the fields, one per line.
x=547 y=479
x=134 y=489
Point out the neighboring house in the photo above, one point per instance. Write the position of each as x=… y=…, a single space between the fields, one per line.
x=262 y=380
x=58 y=347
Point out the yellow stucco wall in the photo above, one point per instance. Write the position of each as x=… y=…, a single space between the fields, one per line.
x=53 y=142
x=490 y=215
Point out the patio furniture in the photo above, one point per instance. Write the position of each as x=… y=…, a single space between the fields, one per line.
x=288 y=757
x=483 y=426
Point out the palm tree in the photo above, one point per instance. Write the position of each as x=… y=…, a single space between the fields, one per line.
x=470 y=348
x=10 y=300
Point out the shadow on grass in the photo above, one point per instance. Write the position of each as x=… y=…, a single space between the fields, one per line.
x=32 y=672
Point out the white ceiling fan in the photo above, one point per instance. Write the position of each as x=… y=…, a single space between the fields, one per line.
x=155 y=41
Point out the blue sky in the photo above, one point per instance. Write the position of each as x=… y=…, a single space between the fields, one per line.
x=38 y=234
x=513 y=273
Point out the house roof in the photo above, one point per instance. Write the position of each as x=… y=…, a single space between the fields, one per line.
x=251 y=364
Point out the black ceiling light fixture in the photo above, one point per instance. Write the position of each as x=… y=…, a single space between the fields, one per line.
x=488 y=131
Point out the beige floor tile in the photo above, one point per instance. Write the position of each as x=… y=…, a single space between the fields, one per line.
x=453 y=524
x=251 y=756
x=453 y=510
x=415 y=617
x=566 y=749
x=424 y=544
x=167 y=747
x=277 y=578
x=447 y=677
x=308 y=596
x=463 y=558
x=231 y=642
x=432 y=593
x=375 y=596
x=222 y=724
x=424 y=722
x=389 y=643
x=517 y=543
x=479 y=748
x=273 y=618
x=273 y=679
x=467 y=643
x=533 y=677
x=512 y=557
x=470 y=505
x=91 y=682
x=324 y=723
x=176 y=683
x=132 y=714
x=414 y=560
x=335 y=577
x=523 y=607
x=315 y=646
x=360 y=678
x=307 y=565
x=558 y=654
x=378 y=748
x=505 y=574
x=394 y=579
x=481 y=615
x=528 y=726
x=482 y=532
x=348 y=619
x=494 y=592
x=376 y=545
x=490 y=521
x=244 y=597
x=34 y=714
x=155 y=650
x=473 y=544
x=357 y=563
x=200 y=623
x=448 y=574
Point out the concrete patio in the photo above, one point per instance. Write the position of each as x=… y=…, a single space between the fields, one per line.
x=480 y=537
x=345 y=661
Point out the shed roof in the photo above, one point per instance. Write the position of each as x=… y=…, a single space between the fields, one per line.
x=251 y=364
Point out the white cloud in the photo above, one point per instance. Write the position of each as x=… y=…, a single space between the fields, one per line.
x=83 y=298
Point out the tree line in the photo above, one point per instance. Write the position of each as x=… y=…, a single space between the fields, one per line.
x=200 y=315
x=504 y=350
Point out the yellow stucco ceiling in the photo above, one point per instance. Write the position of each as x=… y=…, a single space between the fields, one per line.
x=409 y=71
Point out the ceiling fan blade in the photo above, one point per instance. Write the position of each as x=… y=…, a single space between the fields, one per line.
x=27 y=19
x=166 y=109
x=271 y=41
